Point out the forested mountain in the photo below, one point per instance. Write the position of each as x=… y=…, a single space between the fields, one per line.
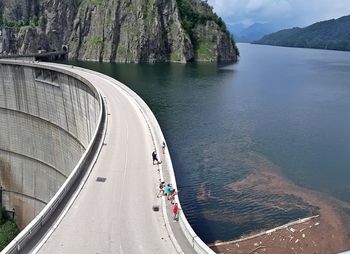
x=330 y=34
x=116 y=30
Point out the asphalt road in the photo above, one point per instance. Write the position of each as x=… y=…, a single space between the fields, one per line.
x=115 y=216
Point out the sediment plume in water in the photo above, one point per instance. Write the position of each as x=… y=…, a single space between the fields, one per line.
x=266 y=180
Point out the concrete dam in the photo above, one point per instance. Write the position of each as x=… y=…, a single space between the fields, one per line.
x=74 y=144
x=47 y=121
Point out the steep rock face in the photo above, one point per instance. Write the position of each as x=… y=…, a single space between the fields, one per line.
x=107 y=30
x=30 y=25
x=129 y=31
x=209 y=35
x=213 y=44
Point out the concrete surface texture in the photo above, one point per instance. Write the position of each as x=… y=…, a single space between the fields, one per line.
x=115 y=215
x=112 y=210
x=47 y=120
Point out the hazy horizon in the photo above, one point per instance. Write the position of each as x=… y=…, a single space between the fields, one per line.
x=279 y=13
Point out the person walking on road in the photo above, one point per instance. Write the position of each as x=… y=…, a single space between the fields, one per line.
x=155 y=158
x=176 y=212
x=171 y=197
x=163 y=147
x=168 y=190
x=161 y=189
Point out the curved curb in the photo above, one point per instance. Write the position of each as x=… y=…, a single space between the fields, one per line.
x=150 y=121
x=157 y=135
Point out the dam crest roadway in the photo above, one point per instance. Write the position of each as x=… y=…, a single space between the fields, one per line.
x=110 y=206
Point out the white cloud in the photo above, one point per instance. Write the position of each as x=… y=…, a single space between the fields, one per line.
x=288 y=12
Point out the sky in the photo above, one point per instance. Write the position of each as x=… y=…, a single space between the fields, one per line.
x=284 y=13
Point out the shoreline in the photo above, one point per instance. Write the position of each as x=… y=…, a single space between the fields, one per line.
x=267 y=232
x=327 y=230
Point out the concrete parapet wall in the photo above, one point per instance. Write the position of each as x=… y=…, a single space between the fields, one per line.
x=76 y=127
x=166 y=169
x=48 y=118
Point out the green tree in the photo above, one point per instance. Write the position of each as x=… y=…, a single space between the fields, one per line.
x=8 y=229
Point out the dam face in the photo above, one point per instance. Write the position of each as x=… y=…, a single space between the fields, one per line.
x=47 y=119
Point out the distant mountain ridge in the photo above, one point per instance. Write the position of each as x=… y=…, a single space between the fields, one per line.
x=331 y=34
x=254 y=32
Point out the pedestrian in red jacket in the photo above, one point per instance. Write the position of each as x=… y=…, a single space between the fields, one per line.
x=176 y=211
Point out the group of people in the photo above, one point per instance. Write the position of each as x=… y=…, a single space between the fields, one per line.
x=168 y=191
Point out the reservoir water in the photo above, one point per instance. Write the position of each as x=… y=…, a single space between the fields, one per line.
x=230 y=128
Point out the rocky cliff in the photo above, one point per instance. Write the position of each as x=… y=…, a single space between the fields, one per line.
x=116 y=30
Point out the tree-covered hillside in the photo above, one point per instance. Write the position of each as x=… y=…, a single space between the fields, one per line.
x=330 y=34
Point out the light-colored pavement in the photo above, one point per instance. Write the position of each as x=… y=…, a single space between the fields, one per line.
x=116 y=216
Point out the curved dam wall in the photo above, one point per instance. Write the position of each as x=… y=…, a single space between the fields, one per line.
x=47 y=119
x=167 y=173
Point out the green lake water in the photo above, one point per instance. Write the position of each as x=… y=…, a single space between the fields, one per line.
x=285 y=107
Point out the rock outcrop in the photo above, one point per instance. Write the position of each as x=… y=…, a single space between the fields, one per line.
x=115 y=30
